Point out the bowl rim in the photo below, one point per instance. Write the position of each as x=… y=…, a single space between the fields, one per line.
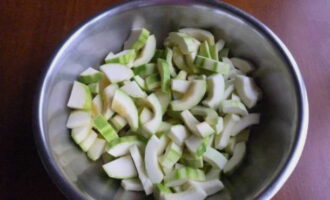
x=303 y=109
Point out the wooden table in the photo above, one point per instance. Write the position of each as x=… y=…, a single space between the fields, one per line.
x=30 y=30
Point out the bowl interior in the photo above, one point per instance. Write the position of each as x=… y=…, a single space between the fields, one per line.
x=271 y=142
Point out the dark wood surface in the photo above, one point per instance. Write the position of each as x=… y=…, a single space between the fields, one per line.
x=30 y=30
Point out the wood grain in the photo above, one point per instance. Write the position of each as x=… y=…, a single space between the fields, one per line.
x=30 y=30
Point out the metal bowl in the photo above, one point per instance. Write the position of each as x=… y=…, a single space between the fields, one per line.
x=275 y=145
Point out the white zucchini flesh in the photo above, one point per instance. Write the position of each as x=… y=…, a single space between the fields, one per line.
x=164 y=141
x=235 y=97
x=137 y=39
x=220 y=44
x=249 y=120
x=104 y=128
x=116 y=72
x=196 y=145
x=193 y=193
x=214 y=173
x=215 y=90
x=80 y=97
x=178 y=134
x=215 y=158
x=80 y=133
x=181 y=175
x=204 y=129
x=140 y=167
x=97 y=105
x=125 y=57
x=125 y=107
x=159 y=190
x=106 y=97
x=228 y=91
x=140 y=81
x=221 y=141
x=180 y=86
x=132 y=184
x=152 y=125
x=236 y=159
x=90 y=75
x=133 y=89
x=233 y=107
x=211 y=117
x=88 y=141
x=145 y=115
x=172 y=155
x=247 y=90
x=199 y=34
x=78 y=118
x=210 y=187
x=179 y=60
x=147 y=51
x=212 y=65
x=192 y=97
x=118 y=122
x=243 y=65
x=153 y=169
x=185 y=42
x=121 y=168
x=97 y=149
x=120 y=146
x=164 y=99
x=182 y=75
x=190 y=121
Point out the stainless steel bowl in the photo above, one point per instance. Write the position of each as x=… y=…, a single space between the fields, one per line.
x=276 y=144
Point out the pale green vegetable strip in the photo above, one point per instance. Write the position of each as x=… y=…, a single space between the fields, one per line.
x=90 y=75
x=121 y=168
x=106 y=130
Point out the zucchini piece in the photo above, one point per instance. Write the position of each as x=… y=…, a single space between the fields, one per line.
x=247 y=90
x=80 y=97
x=181 y=175
x=215 y=90
x=169 y=58
x=215 y=158
x=152 y=82
x=140 y=167
x=212 y=65
x=185 y=42
x=140 y=81
x=228 y=91
x=80 y=133
x=78 y=118
x=214 y=52
x=120 y=146
x=104 y=128
x=132 y=184
x=180 y=86
x=147 y=52
x=125 y=107
x=116 y=72
x=160 y=189
x=190 y=58
x=165 y=75
x=178 y=134
x=90 y=75
x=191 y=122
x=164 y=99
x=132 y=89
x=220 y=44
x=125 y=57
x=153 y=124
x=210 y=187
x=199 y=34
x=145 y=116
x=153 y=169
x=211 y=117
x=231 y=145
x=192 y=160
x=94 y=88
x=121 y=168
x=204 y=50
x=164 y=140
x=224 y=52
x=249 y=120
x=96 y=106
x=243 y=65
x=193 y=193
x=221 y=141
x=137 y=39
x=97 y=149
x=172 y=155
x=236 y=159
x=86 y=144
x=107 y=97
x=204 y=129
x=192 y=97
x=233 y=107
x=159 y=53
x=196 y=145
x=118 y=122
x=179 y=60
x=214 y=173
x=182 y=75
x=145 y=69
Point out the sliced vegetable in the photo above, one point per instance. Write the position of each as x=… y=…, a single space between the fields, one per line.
x=222 y=140
x=214 y=52
x=118 y=122
x=145 y=69
x=236 y=159
x=164 y=99
x=163 y=68
x=120 y=146
x=80 y=133
x=233 y=107
x=204 y=50
x=180 y=86
x=125 y=57
x=210 y=187
x=152 y=82
x=172 y=155
x=179 y=60
x=80 y=97
x=88 y=141
x=193 y=193
x=224 y=52
x=215 y=158
x=121 y=168
x=192 y=97
x=182 y=75
x=117 y=72
x=96 y=150
x=137 y=39
x=147 y=52
x=192 y=160
x=78 y=118
x=243 y=65
x=90 y=75
x=215 y=90
x=185 y=42
x=94 y=88
x=247 y=90
x=145 y=116
x=153 y=124
x=181 y=175
x=220 y=44
x=197 y=145
x=211 y=65
x=249 y=120
x=132 y=89
x=214 y=173
x=153 y=169
x=178 y=134
x=97 y=105
x=125 y=107
x=106 y=130
x=132 y=184
x=199 y=34
x=204 y=129
x=160 y=190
